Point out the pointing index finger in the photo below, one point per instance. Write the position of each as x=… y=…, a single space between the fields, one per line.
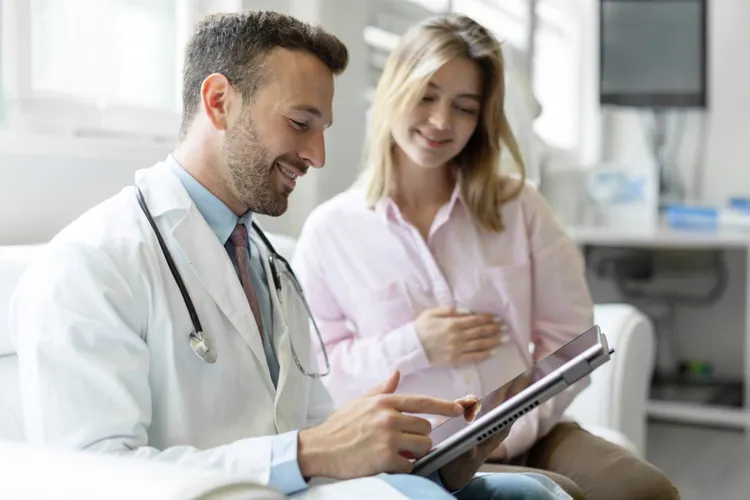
x=427 y=405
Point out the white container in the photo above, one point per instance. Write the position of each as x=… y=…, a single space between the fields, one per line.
x=626 y=195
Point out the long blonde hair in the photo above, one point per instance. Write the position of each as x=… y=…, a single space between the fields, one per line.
x=421 y=52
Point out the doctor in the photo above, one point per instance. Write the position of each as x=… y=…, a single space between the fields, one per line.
x=114 y=357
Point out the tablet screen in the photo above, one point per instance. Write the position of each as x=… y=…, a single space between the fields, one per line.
x=503 y=393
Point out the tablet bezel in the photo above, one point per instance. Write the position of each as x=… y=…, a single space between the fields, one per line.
x=515 y=407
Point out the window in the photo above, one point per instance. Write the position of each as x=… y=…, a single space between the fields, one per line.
x=557 y=72
x=96 y=68
x=508 y=20
x=388 y=20
x=105 y=51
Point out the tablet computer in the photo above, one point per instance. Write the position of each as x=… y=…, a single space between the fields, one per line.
x=503 y=406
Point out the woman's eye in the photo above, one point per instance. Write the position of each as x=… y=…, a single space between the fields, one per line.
x=428 y=98
x=468 y=111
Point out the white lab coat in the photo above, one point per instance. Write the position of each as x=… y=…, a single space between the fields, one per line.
x=101 y=331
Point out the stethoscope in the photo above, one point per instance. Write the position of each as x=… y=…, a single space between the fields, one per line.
x=202 y=345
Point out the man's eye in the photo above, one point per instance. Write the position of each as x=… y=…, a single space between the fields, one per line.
x=299 y=125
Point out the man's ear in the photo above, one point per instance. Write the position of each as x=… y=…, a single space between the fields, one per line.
x=217 y=97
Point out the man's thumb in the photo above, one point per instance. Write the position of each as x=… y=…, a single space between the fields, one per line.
x=387 y=387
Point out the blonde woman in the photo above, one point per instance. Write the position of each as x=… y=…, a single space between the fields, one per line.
x=440 y=266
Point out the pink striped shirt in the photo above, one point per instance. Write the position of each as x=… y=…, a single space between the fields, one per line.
x=368 y=274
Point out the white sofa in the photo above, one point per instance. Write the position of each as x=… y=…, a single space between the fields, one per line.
x=613 y=406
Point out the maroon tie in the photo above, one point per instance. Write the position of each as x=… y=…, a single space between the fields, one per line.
x=239 y=239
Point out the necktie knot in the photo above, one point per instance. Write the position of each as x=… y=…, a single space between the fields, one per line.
x=239 y=236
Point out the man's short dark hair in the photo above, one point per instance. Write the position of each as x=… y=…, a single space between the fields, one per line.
x=236 y=44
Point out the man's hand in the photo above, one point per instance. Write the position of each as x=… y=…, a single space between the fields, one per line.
x=457 y=473
x=450 y=337
x=372 y=434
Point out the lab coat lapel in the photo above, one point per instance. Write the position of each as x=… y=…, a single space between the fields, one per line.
x=206 y=256
x=214 y=269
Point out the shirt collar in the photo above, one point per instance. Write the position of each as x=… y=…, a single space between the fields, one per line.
x=388 y=209
x=219 y=217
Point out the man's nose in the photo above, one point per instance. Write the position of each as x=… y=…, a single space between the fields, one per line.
x=314 y=151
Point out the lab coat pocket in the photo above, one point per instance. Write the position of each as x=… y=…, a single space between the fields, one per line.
x=382 y=309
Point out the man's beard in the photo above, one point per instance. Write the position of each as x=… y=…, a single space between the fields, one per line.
x=251 y=170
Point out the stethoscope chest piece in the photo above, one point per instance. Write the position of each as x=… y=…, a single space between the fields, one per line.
x=202 y=347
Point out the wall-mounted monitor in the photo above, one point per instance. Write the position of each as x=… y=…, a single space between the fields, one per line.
x=653 y=53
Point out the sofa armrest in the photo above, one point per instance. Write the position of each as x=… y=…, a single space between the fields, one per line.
x=617 y=397
x=32 y=471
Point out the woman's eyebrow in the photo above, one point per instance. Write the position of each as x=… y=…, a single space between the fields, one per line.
x=468 y=95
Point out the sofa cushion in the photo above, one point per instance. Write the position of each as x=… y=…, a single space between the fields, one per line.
x=11 y=418
x=13 y=261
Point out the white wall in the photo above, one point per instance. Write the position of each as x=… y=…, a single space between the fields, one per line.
x=726 y=170
x=45 y=183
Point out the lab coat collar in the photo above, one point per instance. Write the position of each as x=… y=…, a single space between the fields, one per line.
x=162 y=189
x=218 y=215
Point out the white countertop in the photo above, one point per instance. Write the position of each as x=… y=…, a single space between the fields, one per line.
x=659 y=237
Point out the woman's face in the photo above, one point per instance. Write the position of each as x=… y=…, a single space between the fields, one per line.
x=439 y=127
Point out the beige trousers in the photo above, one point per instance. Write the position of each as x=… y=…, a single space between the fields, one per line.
x=588 y=467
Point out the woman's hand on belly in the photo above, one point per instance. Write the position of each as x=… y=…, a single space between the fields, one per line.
x=450 y=337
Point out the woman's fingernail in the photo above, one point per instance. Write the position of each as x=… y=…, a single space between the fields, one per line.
x=494 y=351
x=462 y=310
x=504 y=327
x=498 y=319
x=505 y=338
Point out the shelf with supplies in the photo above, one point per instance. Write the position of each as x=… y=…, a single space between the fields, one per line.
x=712 y=401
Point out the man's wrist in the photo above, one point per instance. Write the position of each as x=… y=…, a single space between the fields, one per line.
x=310 y=456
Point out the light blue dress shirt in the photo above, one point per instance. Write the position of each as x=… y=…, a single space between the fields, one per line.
x=285 y=474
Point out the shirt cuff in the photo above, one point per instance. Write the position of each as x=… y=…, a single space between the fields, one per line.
x=404 y=349
x=285 y=474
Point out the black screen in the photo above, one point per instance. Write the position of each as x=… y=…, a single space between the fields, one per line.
x=653 y=52
x=536 y=372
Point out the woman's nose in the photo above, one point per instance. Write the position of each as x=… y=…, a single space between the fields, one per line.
x=440 y=117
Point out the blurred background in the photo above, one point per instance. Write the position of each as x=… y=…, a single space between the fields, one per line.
x=631 y=115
